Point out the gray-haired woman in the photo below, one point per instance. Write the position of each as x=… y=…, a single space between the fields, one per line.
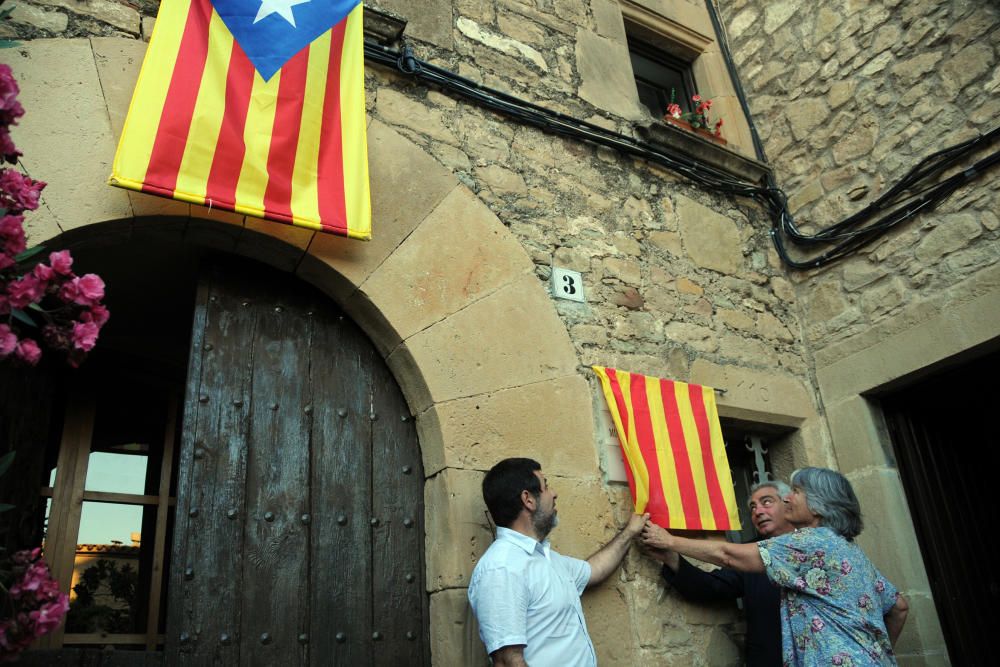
x=836 y=607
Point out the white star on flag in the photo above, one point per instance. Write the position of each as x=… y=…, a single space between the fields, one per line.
x=282 y=8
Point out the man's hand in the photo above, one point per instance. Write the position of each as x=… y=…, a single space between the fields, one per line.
x=509 y=656
x=635 y=524
x=655 y=537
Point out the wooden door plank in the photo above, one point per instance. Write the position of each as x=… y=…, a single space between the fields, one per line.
x=341 y=585
x=206 y=581
x=275 y=547
x=397 y=552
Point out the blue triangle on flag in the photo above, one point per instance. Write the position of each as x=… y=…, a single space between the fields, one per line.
x=264 y=32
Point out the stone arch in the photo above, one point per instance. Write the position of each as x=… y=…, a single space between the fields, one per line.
x=445 y=291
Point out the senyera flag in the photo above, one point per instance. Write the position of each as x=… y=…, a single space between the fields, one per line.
x=675 y=459
x=254 y=106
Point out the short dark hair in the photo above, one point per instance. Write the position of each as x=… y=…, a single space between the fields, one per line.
x=503 y=485
x=830 y=495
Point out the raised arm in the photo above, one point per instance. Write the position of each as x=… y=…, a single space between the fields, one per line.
x=607 y=560
x=896 y=617
x=742 y=557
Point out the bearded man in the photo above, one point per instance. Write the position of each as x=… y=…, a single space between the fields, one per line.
x=525 y=595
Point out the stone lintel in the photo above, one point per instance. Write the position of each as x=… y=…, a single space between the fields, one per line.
x=756 y=396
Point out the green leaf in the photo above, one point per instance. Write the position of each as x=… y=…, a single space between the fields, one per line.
x=23 y=317
x=8 y=43
x=5 y=461
x=29 y=253
x=4 y=507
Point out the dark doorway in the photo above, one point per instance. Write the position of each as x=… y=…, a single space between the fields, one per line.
x=947 y=447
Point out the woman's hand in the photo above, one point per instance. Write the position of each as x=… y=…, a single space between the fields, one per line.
x=655 y=537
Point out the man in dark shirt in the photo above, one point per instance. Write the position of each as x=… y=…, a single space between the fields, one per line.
x=760 y=598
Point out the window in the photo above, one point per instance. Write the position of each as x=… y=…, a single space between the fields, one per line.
x=660 y=78
x=109 y=514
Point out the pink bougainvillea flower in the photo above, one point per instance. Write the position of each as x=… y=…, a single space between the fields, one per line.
x=43 y=272
x=8 y=151
x=28 y=351
x=8 y=88
x=85 y=335
x=8 y=341
x=91 y=289
x=98 y=314
x=18 y=192
x=25 y=291
x=696 y=98
x=61 y=262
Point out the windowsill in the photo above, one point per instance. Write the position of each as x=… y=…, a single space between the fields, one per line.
x=676 y=140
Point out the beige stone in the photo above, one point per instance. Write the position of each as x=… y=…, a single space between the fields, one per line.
x=39 y=18
x=711 y=240
x=608 y=20
x=735 y=319
x=954 y=231
x=477 y=432
x=668 y=241
x=627 y=270
x=118 y=62
x=697 y=337
x=857 y=434
x=426 y=20
x=606 y=76
x=454 y=632
x=460 y=253
x=398 y=109
x=457 y=530
x=119 y=15
x=501 y=43
x=769 y=398
x=70 y=145
x=279 y=245
x=431 y=368
x=608 y=621
x=406 y=185
x=502 y=181
x=778 y=12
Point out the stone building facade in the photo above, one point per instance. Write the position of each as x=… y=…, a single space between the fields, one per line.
x=473 y=209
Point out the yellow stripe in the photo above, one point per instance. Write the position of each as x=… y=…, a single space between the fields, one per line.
x=719 y=455
x=146 y=107
x=209 y=109
x=665 y=454
x=305 y=186
x=693 y=446
x=257 y=137
x=357 y=199
x=633 y=459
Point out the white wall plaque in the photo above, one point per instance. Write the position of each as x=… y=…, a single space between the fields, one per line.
x=567 y=284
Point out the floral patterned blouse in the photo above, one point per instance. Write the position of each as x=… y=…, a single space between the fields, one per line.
x=832 y=600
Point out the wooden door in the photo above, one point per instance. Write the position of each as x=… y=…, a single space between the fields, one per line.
x=948 y=450
x=299 y=535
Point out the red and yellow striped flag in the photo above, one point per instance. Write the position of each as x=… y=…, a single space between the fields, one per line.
x=675 y=459
x=254 y=107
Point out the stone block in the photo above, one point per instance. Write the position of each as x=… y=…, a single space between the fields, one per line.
x=609 y=622
x=888 y=538
x=39 y=18
x=65 y=133
x=753 y=395
x=606 y=79
x=477 y=432
x=711 y=240
x=457 y=531
x=397 y=109
x=432 y=368
x=279 y=245
x=587 y=518
x=119 y=15
x=406 y=185
x=118 y=62
x=501 y=43
x=858 y=439
x=454 y=631
x=459 y=254
x=426 y=20
x=953 y=232
x=608 y=20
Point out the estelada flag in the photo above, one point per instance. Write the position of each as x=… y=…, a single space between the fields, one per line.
x=254 y=106
x=675 y=458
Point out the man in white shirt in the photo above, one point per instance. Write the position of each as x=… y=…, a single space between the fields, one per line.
x=526 y=596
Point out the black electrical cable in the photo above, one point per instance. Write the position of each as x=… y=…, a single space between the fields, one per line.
x=914 y=193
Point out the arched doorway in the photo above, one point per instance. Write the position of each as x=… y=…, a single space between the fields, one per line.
x=294 y=501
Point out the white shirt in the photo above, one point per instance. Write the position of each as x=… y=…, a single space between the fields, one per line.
x=522 y=592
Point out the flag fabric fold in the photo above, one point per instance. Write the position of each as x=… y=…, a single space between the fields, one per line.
x=675 y=458
x=257 y=107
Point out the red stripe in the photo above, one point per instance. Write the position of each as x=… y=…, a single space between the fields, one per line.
x=230 y=148
x=616 y=390
x=682 y=464
x=715 y=497
x=647 y=447
x=178 y=108
x=332 y=206
x=285 y=136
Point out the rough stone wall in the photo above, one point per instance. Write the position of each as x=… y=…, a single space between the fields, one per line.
x=677 y=278
x=848 y=96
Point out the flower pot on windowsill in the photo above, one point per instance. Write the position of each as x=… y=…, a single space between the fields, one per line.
x=683 y=124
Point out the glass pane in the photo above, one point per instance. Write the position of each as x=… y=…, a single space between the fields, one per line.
x=110 y=578
x=117 y=472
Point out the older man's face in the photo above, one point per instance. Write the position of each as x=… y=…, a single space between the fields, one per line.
x=767 y=512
